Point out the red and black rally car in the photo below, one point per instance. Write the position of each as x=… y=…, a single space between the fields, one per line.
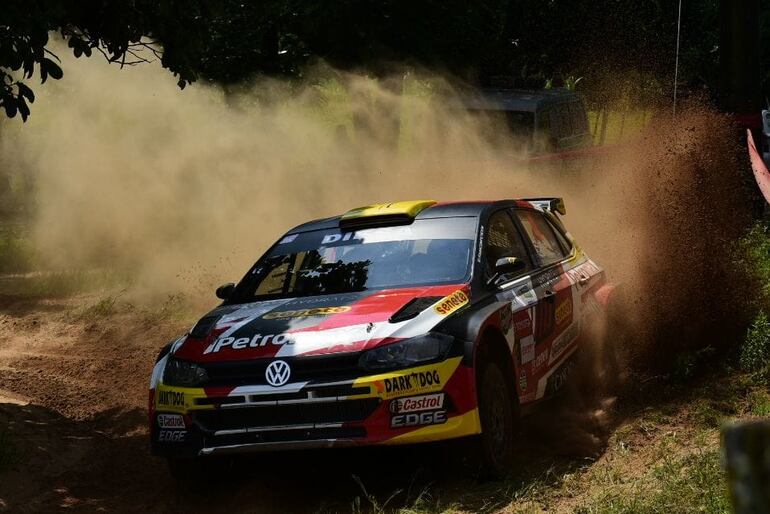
x=390 y=324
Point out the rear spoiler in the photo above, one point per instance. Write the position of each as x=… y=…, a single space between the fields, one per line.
x=548 y=204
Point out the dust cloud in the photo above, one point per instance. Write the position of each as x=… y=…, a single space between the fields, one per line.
x=185 y=189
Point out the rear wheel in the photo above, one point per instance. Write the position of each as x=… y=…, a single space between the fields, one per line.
x=499 y=421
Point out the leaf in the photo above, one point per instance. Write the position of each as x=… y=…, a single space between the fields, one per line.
x=53 y=69
x=25 y=92
x=23 y=109
x=10 y=107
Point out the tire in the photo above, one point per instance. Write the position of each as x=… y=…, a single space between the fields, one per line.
x=499 y=422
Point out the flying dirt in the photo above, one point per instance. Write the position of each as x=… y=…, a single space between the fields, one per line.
x=183 y=191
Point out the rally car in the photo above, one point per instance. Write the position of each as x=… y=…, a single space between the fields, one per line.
x=391 y=324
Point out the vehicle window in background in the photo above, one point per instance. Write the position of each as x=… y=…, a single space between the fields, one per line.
x=560 y=121
x=426 y=252
x=578 y=117
x=503 y=240
x=541 y=234
x=544 y=140
x=509 y=128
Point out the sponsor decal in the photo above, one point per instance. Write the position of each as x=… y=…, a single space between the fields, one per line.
x=546 y=278
x=523 y=380
x=564 y=311
x=523 y=296
x=560 y=377
x=288 y=239
x=437 y=417
x=170 y=398
x=563 y=341
x=242 y=343
x=306 y=313
x=417 y=403
x=171 y=421
x=586 y=270
x=451 y=303
x=172 y=436
x=541 y=359
x=277 y=373
x=527 y=349
x=506 y=319
x=336 y=238
x=523 y=325
x=413 y=382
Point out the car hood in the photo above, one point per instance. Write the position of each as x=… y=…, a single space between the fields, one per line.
x=318 y=325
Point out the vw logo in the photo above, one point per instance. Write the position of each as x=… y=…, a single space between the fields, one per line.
x=277 y=373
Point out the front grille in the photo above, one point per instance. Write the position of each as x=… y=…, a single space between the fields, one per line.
x=343 y=411
x=279 y=436
x=303 y=369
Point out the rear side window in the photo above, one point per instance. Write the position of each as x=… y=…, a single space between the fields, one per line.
x=541 y=234
x=565 y=243
x=503 y=240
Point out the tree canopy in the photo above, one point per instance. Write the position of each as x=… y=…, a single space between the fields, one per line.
x=230 y=41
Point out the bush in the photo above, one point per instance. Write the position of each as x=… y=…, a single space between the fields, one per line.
x=753 y=259
x=755 y=351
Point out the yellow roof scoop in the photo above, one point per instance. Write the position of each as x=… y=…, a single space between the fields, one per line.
x=383 y=213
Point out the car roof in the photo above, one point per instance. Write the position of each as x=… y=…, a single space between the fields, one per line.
x=519 y=100
x=438 y=210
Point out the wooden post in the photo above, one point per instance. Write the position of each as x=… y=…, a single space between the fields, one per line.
x=747 y=461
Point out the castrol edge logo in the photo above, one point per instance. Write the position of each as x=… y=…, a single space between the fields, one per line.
x=417 y=403
x=451 y=303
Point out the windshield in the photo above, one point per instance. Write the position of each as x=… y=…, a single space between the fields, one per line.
x=427 y=252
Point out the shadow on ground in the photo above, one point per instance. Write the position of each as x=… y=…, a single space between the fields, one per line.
x=53 y=463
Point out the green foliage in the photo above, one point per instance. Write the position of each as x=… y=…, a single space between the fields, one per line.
x=118 y=30
x=17 y=254
x=759 y=403
x=755 y=351
x=753 y=258
x=229 y=41
x=571 y=82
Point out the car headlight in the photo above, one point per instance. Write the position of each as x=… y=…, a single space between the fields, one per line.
x=416 y=350
x=182 y=373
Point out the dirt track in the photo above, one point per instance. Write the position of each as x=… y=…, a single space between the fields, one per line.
x=72 y=396
x=73 y=414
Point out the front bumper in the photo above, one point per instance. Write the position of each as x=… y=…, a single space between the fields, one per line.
x=420 y=404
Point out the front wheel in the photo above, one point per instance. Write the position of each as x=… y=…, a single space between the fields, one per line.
x=499 y=421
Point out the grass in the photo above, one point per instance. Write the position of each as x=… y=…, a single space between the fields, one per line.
x=663 y=457
x=694 y=483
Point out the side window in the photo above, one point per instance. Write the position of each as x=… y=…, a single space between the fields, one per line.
x=503 y=240
x=542 y=236
x=565 y=243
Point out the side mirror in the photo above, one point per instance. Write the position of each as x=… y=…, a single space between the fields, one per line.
x=507 y=265
x=225 y=290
